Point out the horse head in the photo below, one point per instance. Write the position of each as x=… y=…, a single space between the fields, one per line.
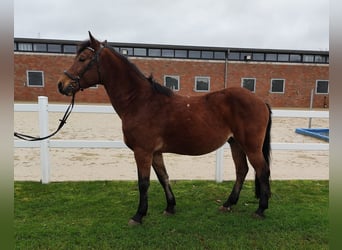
x=84 y=72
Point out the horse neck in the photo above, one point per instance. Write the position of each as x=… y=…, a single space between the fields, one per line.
x=124 y=84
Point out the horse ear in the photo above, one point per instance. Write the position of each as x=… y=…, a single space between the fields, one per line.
x=91 y=38
x=94 y=43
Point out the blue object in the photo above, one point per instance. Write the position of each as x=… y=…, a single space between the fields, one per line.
x=319 y=133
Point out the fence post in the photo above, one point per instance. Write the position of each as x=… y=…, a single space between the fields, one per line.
x=219 y=165
x=44 y=144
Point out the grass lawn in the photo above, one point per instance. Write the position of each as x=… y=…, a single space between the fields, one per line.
x=94 y=215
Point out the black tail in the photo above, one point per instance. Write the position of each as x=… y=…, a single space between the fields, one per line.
x=266 y=150
x=266 y=147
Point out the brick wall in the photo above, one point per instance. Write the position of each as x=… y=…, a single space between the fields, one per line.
x=299 y=78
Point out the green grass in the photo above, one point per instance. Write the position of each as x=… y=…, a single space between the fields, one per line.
x=94 y=215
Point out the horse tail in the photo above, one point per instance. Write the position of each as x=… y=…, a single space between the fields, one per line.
x=266 y=147
x=266 y=150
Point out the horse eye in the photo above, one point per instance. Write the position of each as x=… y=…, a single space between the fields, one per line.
x=81 y=59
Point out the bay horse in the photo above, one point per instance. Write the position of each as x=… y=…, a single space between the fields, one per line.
x=156 y=120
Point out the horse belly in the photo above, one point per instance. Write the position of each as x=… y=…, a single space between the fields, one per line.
x=195 y=145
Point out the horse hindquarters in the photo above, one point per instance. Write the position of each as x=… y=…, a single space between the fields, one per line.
x=253 y=140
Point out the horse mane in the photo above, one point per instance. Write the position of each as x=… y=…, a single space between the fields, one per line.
x=158 y=88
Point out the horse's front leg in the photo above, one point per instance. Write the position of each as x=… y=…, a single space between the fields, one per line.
x=144 y=162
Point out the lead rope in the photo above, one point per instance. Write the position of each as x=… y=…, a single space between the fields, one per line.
x=61 y=124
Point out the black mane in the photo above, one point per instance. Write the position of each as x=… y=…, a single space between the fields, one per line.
x=157 y=87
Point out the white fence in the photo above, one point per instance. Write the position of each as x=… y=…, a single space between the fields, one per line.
x=43 y=108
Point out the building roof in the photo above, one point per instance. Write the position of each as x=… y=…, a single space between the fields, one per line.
x=37 y=45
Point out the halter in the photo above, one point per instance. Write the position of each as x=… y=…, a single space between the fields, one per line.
x=76 y=78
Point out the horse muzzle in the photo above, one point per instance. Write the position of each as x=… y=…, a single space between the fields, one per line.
x=67 y=90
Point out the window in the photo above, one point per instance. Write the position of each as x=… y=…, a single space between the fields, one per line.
x=271 y=57
x=202 y=83
x=220 y=55
x=35 y=78
x=308 y=58
x=69 y=49
x=172 y=82
x=154 y=52
x=295 y=58
x=277 y=85
x=245 y=56
x=248 y=83
x=181 y=53
x=168 y=53
x=25 y=46
x=139 y=51
x=234 y=56
x=283 y=57
x=321 y=59
x=55 y=48
x=258 y=56
x=194 y=54
x=126 y=51
x=322 y=87
x=40 y=47
x=207 y=54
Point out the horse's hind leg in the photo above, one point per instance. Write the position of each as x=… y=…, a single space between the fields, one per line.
x=262 y=175
x=241 y=169
x=159 y=168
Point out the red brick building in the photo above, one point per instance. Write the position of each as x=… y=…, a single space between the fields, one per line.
x=283 y=78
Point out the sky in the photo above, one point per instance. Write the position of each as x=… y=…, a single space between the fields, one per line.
x=269 y=24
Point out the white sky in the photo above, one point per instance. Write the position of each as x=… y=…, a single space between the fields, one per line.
x=274 y=24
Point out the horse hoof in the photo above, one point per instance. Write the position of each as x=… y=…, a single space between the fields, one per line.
x=258 y=216
x=225 y=209
x=132 y=222
x=166 y=213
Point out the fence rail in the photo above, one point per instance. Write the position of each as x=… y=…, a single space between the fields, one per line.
x=44 y=108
